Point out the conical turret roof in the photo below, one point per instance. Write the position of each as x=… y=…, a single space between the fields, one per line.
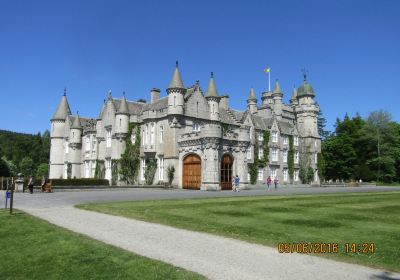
x=63 y=109
x=277 y=88
x=252 y=95
x=123 y=107
x=77 y=123
x=176 y=81
x=212 y=89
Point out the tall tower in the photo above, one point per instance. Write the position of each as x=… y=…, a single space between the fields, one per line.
x=212 y=131
x=252 y=102
x=175 y=92
x=307 y=123
x=57 y=136
x=293 y=99
x=75 y=140
x=277 y=96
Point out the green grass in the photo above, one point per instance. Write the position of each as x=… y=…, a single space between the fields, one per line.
x=33 y=249
x=339 y=218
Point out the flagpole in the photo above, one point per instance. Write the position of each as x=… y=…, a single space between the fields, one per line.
x=269 y=80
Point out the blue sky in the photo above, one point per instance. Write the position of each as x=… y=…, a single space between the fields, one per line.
x=350 y=48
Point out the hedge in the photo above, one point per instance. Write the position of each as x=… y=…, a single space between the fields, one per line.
x=80 y=182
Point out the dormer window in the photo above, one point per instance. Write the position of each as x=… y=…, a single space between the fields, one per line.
x=274 y=137
x=108 y=138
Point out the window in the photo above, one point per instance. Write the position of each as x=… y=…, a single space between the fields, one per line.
x=315 y=175
x=260 y=136
x=296 y=140
x=284 y=155
x=274 y=154
x=196 y=127
x=316 y=158
x=94 y=142
x=285 y=175
x=260 y=153
x=273 y=173
x=108 y=138
x=260 y=174
x=315 y=143
x=108 y=169
x=161 y=134
x=133 y=137
x=251 y=133
x=87 y=143
x=143 y=169
x=152 y=131
x=249 y=152
x=161 y=169
x=296 y=175
x=248 y=176
x=285 y=140
x=174 y=101
x=296 y=157
x=274 y=137
x=147 y=134
x=66 y=147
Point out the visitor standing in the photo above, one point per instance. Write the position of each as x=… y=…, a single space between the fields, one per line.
x=269 y=181
x=276 y=182
x=233 y=183
x=237 y=182
x=30 y=184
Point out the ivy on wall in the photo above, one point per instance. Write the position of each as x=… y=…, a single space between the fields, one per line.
x=150 y=171
x=170 y=174
x=69 y=170
x=114 y=171
x=321 y=166
x=259 y=163
x=291 y=158
x=99 y=171
x=130 y=159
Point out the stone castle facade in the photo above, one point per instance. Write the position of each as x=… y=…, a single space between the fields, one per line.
x=205 y=140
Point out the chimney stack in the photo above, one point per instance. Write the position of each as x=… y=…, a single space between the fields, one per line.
x=224 y=102
x=155 y=95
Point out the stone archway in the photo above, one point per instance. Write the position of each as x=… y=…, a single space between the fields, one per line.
x=191 y=172
x=226 y=172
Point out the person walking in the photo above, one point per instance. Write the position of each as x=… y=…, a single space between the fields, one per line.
x=269 y=181
x=276 y=182
x=233 y=183
x=237 y=182
x=30 y=184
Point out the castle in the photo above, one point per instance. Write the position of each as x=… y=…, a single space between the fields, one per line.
x=205 y=140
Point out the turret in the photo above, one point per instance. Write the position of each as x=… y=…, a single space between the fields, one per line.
x=122 y=117
x=277 y=96
x=75 y=143
x=252 y=102
x=57 y=136
x=267 y=99
x=213 y=99
x=175 y=92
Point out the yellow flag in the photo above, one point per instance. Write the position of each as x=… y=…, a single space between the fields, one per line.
x=267 y=70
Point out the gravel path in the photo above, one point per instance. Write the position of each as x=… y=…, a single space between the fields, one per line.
x=213 y=256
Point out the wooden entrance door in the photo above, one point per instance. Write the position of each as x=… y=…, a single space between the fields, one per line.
x=191 y=172
x=226 y=172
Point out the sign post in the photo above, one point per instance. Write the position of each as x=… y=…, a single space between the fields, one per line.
x=12 y=196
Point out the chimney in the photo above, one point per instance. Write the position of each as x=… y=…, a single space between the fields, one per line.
x=155 y=95
x=224 y=102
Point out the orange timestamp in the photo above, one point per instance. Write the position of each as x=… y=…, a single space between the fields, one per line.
x=326 y=248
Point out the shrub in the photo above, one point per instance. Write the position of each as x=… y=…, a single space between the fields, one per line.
x=80 y=182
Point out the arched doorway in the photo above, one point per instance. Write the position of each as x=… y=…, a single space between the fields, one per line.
x=226 y=172
x=191 y=175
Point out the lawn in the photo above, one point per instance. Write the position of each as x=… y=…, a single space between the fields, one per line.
x=33 y=249
x=267 y=220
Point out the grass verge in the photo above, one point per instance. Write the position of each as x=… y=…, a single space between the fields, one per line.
x=34 y=249
x=334 y=218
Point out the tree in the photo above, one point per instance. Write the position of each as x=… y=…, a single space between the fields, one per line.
x=4 y=171
x=26 y=166
x=42 y=170
x=321 y=122
x=12 y=168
